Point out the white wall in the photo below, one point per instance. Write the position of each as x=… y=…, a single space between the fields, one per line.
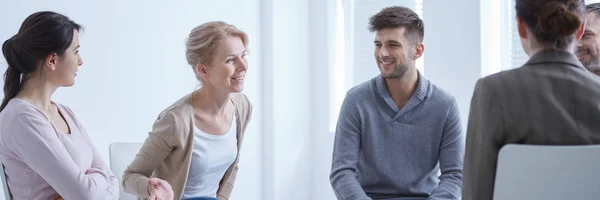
x=322 y=60
x=453 y=54
x=298 y=38
x=134 y=66
x=286 y=95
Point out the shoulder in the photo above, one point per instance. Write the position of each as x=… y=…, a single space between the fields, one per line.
x=500 y=82
x=178 y=110
x=360 y=91
x=175 y=120
x=243 y=106
x=442 y=97
x=19 y=111
x=503 y=75
x=241 y=101
x=22 y=120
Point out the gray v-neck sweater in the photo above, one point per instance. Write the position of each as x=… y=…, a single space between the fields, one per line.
x=382 y=152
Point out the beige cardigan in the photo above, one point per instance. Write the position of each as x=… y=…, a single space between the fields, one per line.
x=167 y=152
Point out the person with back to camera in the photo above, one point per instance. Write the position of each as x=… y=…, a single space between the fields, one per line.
x=550 y=100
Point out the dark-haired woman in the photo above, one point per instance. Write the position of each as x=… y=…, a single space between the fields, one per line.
x=45 y=151
x=551 y=100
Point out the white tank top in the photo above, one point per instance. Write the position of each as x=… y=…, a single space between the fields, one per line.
x=211 y=157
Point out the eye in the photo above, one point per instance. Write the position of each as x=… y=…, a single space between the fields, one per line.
x=229 y=60
x=378 y=45
x=394 y=45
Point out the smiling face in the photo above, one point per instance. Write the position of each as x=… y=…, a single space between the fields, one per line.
x=228 y=67
x=588 y=49
x=395 y=53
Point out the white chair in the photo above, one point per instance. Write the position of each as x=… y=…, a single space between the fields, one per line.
x=4 y=183
x=548 y=172
x=121 y=154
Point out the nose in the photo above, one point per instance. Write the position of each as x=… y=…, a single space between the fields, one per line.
x=79 y=61
x=243 y=65
x=383 y=52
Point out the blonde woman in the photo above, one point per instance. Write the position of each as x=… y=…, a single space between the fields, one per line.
x=192 y=150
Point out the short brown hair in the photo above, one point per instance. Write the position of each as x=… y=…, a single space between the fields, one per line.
x=203 y=40
x=397 y=17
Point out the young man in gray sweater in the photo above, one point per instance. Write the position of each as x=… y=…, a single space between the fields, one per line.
x=398 y=131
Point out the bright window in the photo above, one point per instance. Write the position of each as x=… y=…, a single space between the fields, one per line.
x=501 y=44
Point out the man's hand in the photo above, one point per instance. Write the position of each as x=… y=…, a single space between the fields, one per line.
x=159 y=189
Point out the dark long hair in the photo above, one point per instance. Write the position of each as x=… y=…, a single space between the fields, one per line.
x=41 y=34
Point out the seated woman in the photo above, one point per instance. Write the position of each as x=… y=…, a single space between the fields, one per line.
x=550 y=100
x=45 y=151
x=192 y=150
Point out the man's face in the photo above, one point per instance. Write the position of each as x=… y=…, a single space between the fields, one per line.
x=588 y=49
x=394 y=52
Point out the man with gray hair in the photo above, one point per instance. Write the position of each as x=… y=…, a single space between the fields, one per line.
x=588 y=49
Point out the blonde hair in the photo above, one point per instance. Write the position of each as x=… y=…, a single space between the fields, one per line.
x=203 y=40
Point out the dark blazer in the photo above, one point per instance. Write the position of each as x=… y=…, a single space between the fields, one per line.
x=551 y=100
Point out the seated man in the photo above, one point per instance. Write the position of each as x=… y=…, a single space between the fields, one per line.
x=396 y=131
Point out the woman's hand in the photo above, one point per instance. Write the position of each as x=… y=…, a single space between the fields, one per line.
x=57 y=197
x=159 y=189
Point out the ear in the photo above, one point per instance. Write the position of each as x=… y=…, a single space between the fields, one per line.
x=201 y=70
x=419 y=49
x=522 y=28
x=51 y=61
x=580 y=31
